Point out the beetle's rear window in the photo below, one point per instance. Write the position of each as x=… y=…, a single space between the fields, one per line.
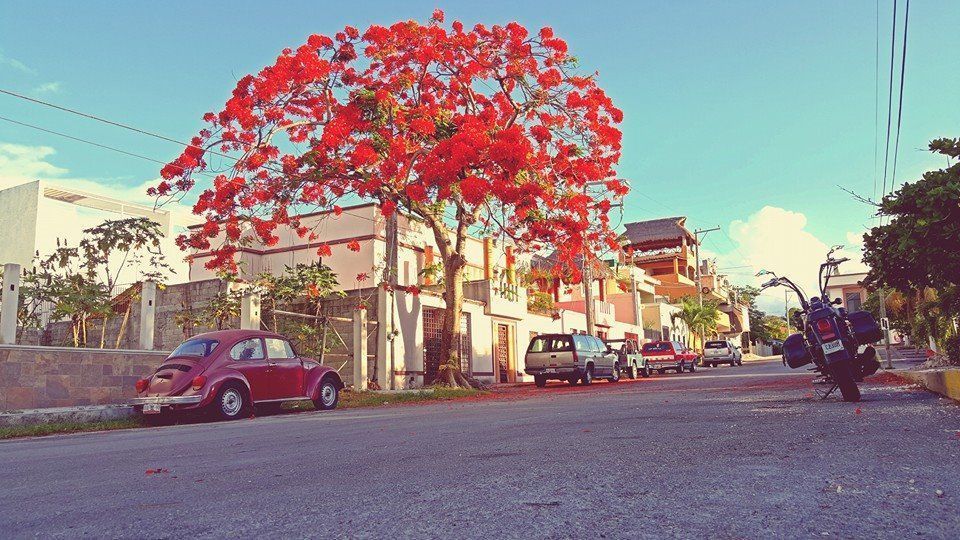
x=200 y=348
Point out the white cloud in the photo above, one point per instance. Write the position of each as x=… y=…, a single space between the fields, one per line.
x=48 y=88
x=776 y=239
x=16 y=64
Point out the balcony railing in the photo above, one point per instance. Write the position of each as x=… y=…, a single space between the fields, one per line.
x=500 y=299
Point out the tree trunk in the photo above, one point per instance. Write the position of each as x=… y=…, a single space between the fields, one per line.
x=123 y=326
x=451 y=335
x=103 y=331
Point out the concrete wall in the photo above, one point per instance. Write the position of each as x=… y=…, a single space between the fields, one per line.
x=34 y=377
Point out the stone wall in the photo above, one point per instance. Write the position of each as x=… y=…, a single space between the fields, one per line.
x=171 y=301
x=34 y=377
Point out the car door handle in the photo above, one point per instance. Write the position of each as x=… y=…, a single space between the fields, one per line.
x=272 y=364
x=553 y=356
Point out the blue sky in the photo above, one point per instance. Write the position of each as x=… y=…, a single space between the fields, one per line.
x=729 y=107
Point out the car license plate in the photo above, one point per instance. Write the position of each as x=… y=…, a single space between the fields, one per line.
x=151 y=408
x=550 y=370
x=832 y=347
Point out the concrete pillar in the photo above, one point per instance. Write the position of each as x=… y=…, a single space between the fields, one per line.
x=11 y=302
x=384 y=338
x=250 y=311
x=488 y=258
x=148 y=314
x=360 y=376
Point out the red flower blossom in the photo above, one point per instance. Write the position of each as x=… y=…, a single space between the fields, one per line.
x=403 y=114
x=353 y=245
x=363 y=276
x=388 y=207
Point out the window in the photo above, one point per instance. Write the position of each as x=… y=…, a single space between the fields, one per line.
x=279 y=348
x=248 y=349
x=550 y=344
x=853 y=301
x=659 y=346
x=583 y=343
x=195 y=347
x=716 y=345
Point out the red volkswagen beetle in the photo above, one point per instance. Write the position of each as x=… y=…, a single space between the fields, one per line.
x=230 y=371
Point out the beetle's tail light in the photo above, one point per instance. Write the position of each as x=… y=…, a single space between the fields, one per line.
x=198 y=382
x=142 y=385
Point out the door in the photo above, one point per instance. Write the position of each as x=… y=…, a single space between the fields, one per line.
x=432 y=355
x=503 y=358
x=284 y=370
x=250 y=360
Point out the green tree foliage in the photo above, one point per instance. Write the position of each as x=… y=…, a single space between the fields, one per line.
x=79 y=281
x=920 y=245
x=917 y=253
x=702 y=320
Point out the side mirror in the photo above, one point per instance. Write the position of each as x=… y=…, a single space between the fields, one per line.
x=837 y=302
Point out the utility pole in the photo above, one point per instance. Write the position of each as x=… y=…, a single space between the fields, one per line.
x=587 y=272
x=886 y=327
x=696 y=235
x=587 y=278
x=786 y=311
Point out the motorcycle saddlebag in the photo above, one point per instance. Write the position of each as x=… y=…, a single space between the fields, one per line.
x=795 y=351
x=865 y=327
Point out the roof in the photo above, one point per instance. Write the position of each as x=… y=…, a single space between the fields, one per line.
x=654 y=230
x=233 y=334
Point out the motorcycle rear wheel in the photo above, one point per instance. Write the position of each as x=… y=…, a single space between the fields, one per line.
x=843 y=376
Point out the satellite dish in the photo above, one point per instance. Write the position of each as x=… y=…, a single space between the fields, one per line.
x=705 y=290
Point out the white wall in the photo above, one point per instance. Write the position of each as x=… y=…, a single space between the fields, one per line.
x=18 y=223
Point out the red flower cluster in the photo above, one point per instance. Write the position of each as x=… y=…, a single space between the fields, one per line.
x=491 y=121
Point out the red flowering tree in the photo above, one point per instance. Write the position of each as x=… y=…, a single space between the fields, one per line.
x=489 y=129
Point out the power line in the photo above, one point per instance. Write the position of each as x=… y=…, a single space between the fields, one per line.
x=113 y=123
x=876 y=103
x=86 y=141
x=903 y=66
x=886 y=156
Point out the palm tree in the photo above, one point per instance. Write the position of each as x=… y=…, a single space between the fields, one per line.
x=700 y=319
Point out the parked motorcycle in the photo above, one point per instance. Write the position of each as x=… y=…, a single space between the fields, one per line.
x=835 y=341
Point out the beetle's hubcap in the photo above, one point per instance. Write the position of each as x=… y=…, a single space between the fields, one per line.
x=328 y=394
x=231 y=402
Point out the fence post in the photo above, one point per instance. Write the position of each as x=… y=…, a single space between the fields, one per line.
x=11 y=302
x=250 y=311
x=148 y=313
x=360 y=349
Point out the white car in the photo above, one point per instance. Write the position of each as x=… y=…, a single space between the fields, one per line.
x=721 y=352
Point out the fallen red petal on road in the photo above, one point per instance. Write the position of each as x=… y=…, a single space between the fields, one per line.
x=858 y=411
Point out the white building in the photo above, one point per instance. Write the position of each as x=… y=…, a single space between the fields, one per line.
x=496 y=319
x=35 y=215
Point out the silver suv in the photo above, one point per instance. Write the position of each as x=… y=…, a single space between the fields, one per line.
x=570 y=357
x=721 y=352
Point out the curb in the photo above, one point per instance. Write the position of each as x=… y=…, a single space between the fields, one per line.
x=90 y=413
x=945 y=382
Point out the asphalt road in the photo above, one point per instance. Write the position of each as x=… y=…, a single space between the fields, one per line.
x=743 y=452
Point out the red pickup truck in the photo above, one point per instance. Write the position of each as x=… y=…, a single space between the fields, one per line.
x=664 y=355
